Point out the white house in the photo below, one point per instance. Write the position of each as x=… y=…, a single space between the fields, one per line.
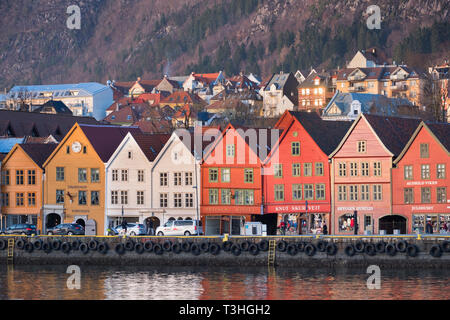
x=128 y=179
x=83 y=99
x=279 y=94
x=176 y=179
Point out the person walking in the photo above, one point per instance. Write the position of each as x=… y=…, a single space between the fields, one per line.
x=429 y=227
x=150 y=226
x=325 y=228
x=124 y=227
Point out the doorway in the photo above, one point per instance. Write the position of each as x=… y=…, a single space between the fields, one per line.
x=52 y=219
x=269 y=219
x=391 y=223
x=81 y=222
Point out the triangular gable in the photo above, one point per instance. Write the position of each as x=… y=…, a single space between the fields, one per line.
x=413 y=137
x=350 y=130
x=357 y=71
x=11 y=152
x=64 y=140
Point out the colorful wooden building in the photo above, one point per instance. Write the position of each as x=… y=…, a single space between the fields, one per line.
x=296 y=180
x=231 y=179
x=420 y=179
x=361 y=174
x=22 y=189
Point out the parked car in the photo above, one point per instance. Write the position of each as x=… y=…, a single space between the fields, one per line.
x=133 y=229
x=179 y=228
x=21 y=228
x=66 y=229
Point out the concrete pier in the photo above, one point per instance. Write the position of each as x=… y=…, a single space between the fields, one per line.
x=324 y=251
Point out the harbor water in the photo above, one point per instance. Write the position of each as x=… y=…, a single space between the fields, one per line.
x=33 y=282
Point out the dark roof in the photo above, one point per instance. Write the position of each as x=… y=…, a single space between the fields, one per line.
x=327 y=134
x=39 y=152
x=151 y=144
x=442 y=132
x=2 y=156
x=106 y=139
x=21 y=124
x=58 y=107
x=394 y=132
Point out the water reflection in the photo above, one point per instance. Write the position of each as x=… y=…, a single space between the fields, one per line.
x=98 y=283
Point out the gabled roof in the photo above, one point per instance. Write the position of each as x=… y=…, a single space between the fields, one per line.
x=106 y=139
x=38 y=152
x=327 y=134
x=183 y=97
x=58 y=107
x=151 y=144
x=185 y=111
x=154 y=126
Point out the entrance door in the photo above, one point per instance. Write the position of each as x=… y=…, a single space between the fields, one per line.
x=392 y=222
x=52 y=219
x=269 y=219
x=81 y=222
x=91 y=228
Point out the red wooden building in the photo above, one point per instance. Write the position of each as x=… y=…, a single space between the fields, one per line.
x=231 y=180
x=361 y=174
x=420 y=179
x=296 y=180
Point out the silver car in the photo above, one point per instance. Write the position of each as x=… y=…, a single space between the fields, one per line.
x=133 y=229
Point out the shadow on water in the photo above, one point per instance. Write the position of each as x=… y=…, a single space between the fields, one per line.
x=199 y=283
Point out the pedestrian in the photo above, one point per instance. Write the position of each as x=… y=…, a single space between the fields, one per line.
x=151 y=227
x=147 y=226
x=325 y=228
x=282 y=227
x=429 y=227
x=124 y=227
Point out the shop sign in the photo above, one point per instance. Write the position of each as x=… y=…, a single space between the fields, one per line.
x=420 y=208
x=420 y=183
x=354 y=208
x=297 y=208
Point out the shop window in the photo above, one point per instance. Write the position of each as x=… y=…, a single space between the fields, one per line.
x=346 y=223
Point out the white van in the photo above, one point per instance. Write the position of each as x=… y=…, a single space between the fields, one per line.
x=179 y=228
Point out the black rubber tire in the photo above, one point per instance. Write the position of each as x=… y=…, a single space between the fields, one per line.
x=391 y=249
x=84 y=248
x=436 y=251
x=167 y=245
x=93 y=244
x=350 y=250
x=176 y=248
x=380 y=246
x=401 y=245
x=370 y=249
x=331 y=249
x=292 y=249
x=157 y=249
x=263 y=245
x=148 y=246
x=103 y=248
x=3 y=244
x=412 y=250
x=321 y=246
x=119 y=248
x=139 y=248
x=204 y=246
x=66 y=247
x=310 y=249
x=28 y=247
x=195 y=249
x=281 y=245
x=214 y=249
x=20 y=244
x=226 y=246
x=253 y=249
x=244 y=245
x=359 y=246
x=445 y=245
x=186 y=246
x=301 y=246
x=236 y=250
x=129 y=245
x=56 y=244
x=47 y=247
x=76 y=244
x=37 y=244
